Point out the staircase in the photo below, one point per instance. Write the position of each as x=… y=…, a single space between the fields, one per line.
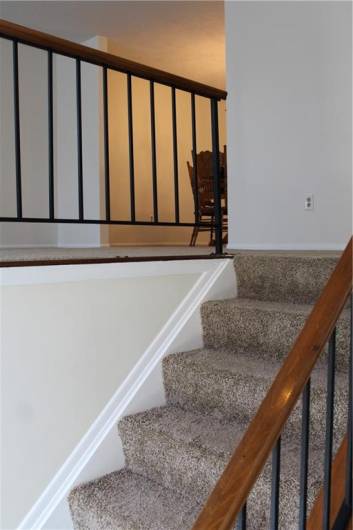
x=175 y=454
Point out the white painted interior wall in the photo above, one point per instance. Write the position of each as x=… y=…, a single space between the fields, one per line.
x=289 y=82
x=34 y=148
x=33 y=94
x=55 y=383
x=65 y=120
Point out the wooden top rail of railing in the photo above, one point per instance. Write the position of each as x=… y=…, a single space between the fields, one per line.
x=100 y=58
x=236 y=482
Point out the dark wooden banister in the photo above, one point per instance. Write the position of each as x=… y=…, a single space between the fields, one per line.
x=100 y=58
x=249 y=458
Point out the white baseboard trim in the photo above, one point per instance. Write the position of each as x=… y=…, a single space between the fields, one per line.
x=286 y=246
x=156 y=244
x=80 y=245
x=56 y=245
x=65 y=478
x=42 y=245
x=153 y=244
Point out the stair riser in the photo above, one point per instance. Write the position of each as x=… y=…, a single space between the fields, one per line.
x=292 y=279
x=238 y=398
x=124 y=501
x=174 y=465
x=268 y=333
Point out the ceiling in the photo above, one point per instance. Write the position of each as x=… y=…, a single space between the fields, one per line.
x=182 y=37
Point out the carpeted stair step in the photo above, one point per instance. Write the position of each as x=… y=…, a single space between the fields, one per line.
x=283 y=277
x=125 y=501
x=187 y=452
x=180 y=449
x=268 y=328
x=222 y=384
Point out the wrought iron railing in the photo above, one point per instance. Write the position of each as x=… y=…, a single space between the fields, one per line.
x=81 y=54
x=227 y=504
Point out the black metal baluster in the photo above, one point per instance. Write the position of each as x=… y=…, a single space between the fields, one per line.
x=194 y=158
x=16 y=93
x=175 y=158
x=242 y=519
x=50 y=135
x=329 y=429
x=79 y=138
x=106 y=143
x=154 y=156
x=303 y=489
x=131 y=150
x=275 y=485
x=216 y=177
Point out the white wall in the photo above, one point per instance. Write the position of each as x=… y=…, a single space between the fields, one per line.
x=289 y=82
x=56 y=378
x=34 y=147
x=92 y=149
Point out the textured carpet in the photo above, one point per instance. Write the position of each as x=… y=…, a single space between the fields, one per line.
x=175 y=454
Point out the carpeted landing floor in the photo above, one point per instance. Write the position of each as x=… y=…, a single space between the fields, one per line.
x=175 y=454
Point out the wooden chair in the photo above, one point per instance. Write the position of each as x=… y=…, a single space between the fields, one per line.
x=203 y=193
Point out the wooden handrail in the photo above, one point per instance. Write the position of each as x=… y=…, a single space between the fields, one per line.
x=249 y=458
x=100 y=58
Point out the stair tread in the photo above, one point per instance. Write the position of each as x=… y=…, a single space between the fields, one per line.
x=289 y=276
x=216 y=435
x=291 y=308
x=124 y=500
x=228 y=361
x=220 y=383
x=262 y=305
x=269 y=328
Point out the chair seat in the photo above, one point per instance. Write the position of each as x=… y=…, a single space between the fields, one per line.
x=209 y=210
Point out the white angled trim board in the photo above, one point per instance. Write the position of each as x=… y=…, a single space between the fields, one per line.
x=65 y=478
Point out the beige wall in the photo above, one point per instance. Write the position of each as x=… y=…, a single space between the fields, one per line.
x=120 y=178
